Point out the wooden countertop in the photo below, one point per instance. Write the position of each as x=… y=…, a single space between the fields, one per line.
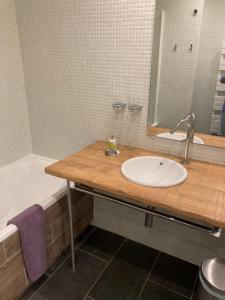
x=201 y=196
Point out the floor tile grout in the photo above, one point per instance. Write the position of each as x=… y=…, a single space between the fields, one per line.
x=49 y=276
x=195 y=284
x=157 y=257
x=106 y=265
x=105 y=268
x=82 y=242
x=168 y=289
x=91 y=254
x=89 y=297
x=63 y=261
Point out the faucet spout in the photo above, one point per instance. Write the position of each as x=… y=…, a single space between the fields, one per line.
x=189 y=119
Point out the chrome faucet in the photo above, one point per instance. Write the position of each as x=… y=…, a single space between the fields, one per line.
x=190 y=120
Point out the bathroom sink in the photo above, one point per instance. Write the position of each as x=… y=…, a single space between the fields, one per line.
x=178 y=136
x=154 y=171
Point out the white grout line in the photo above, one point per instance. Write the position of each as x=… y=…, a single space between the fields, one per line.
x=147 y=279
x=107 y=265
x=95 y=256
x=168 y=289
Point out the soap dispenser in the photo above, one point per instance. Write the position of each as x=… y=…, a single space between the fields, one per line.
x=112 y=147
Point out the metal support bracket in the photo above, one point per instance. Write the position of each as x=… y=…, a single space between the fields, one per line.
x=150 y=211
x=72 y=238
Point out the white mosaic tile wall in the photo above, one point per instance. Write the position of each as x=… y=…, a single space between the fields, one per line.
x=212 y=39
x=81 y=56
x=178 y=67
x=14 y=129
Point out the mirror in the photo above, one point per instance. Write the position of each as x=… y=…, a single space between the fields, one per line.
x=188 y=70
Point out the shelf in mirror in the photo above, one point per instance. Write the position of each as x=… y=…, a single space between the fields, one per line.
x=208 y=140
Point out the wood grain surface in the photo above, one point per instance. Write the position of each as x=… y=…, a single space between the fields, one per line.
x=201 y=196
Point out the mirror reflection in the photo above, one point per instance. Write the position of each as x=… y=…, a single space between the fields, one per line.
x=188 y=70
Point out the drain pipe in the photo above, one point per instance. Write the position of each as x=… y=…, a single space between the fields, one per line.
x=149 y=218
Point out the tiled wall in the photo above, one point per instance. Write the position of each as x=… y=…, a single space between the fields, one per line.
x=14 y=280
x=212 y=38
x=182 y=29
x=15 y=139
x=81 y=56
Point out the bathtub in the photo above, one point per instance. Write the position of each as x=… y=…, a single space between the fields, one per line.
x=24 y=183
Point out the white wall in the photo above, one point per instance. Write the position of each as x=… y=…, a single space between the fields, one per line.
x=79 y=57
x=14 y=128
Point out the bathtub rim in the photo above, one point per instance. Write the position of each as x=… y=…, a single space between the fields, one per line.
x=29 y=156
x=8 y=230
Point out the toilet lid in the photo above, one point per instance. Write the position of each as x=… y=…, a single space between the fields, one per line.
x=213 y=273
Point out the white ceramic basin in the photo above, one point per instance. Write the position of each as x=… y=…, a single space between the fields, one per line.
x=179 y=137
x=154 y=171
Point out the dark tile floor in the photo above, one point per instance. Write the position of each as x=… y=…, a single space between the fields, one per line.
x=110 y=267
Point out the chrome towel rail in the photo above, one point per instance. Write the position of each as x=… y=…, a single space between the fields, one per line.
x=215 y=231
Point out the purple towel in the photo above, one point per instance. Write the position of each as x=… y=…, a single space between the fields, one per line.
x=31 y=225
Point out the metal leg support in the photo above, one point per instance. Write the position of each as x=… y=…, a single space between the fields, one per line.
x=71 y=225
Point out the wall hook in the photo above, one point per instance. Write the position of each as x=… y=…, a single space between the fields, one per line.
x=195 y=12
x=191 y=47
x=175 y=48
